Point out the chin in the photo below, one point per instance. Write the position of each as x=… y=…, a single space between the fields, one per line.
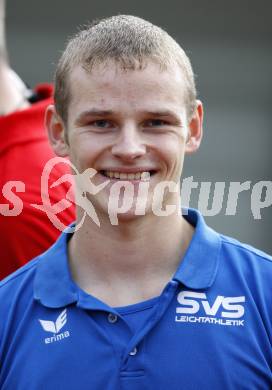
x=123 y=209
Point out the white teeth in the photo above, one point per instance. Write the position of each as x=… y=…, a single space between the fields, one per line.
x=145 y=176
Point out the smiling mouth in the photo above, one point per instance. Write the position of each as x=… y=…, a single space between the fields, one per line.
x=143 y=176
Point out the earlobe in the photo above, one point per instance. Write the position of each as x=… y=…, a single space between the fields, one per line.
x=195 y=129
x=56 y=132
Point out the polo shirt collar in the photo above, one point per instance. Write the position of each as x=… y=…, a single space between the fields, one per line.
x=54 y=287
x=53 y=283
x=199 y=265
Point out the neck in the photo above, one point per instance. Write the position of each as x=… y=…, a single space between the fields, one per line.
x=130 y=254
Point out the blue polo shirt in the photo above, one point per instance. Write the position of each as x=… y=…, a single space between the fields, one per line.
x=209 y=329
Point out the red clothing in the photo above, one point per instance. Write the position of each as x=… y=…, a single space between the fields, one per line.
x=24 y=151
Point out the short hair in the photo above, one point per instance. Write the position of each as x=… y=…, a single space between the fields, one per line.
x=130 y=42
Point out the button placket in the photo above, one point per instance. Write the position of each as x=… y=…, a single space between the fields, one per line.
x=162 y=305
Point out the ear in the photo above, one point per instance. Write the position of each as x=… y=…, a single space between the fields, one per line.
x=56 y=132
x=195 y=129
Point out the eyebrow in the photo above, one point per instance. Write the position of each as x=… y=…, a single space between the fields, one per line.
x=161 y=113
x=166 y=114
x=104 y=113
x=93 y=112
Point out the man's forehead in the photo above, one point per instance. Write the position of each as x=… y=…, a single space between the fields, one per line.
x=105 y=82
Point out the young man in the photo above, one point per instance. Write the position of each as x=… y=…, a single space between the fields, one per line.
x=24 y=151
x=149 y=299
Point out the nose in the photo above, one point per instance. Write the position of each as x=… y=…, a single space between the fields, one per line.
x=129 y=144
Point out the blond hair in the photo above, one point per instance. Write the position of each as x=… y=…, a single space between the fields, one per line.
x=128 y=41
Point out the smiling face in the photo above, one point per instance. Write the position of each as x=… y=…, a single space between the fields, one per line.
x=127 y=125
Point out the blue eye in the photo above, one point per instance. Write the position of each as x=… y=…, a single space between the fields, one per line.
x=155 y=122
x=102 y=123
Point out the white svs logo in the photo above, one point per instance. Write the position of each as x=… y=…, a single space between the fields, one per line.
x=222 y=311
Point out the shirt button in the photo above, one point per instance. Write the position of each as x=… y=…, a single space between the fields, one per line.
x=112 y=318
x=132 y=353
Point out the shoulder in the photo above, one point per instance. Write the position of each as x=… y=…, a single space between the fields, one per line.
x=245 y=251
x=18 y=280
x=242 y=264
x=17 y=289
x=16 y=293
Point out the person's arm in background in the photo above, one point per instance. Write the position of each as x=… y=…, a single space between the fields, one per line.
x=13 y=92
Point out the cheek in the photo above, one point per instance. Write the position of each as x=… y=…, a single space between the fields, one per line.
x=174 y=157
x=172 y=149
x=84 y=149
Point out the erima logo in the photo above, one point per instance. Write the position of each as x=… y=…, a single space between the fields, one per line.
x=223 y=311
x=55 y=327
